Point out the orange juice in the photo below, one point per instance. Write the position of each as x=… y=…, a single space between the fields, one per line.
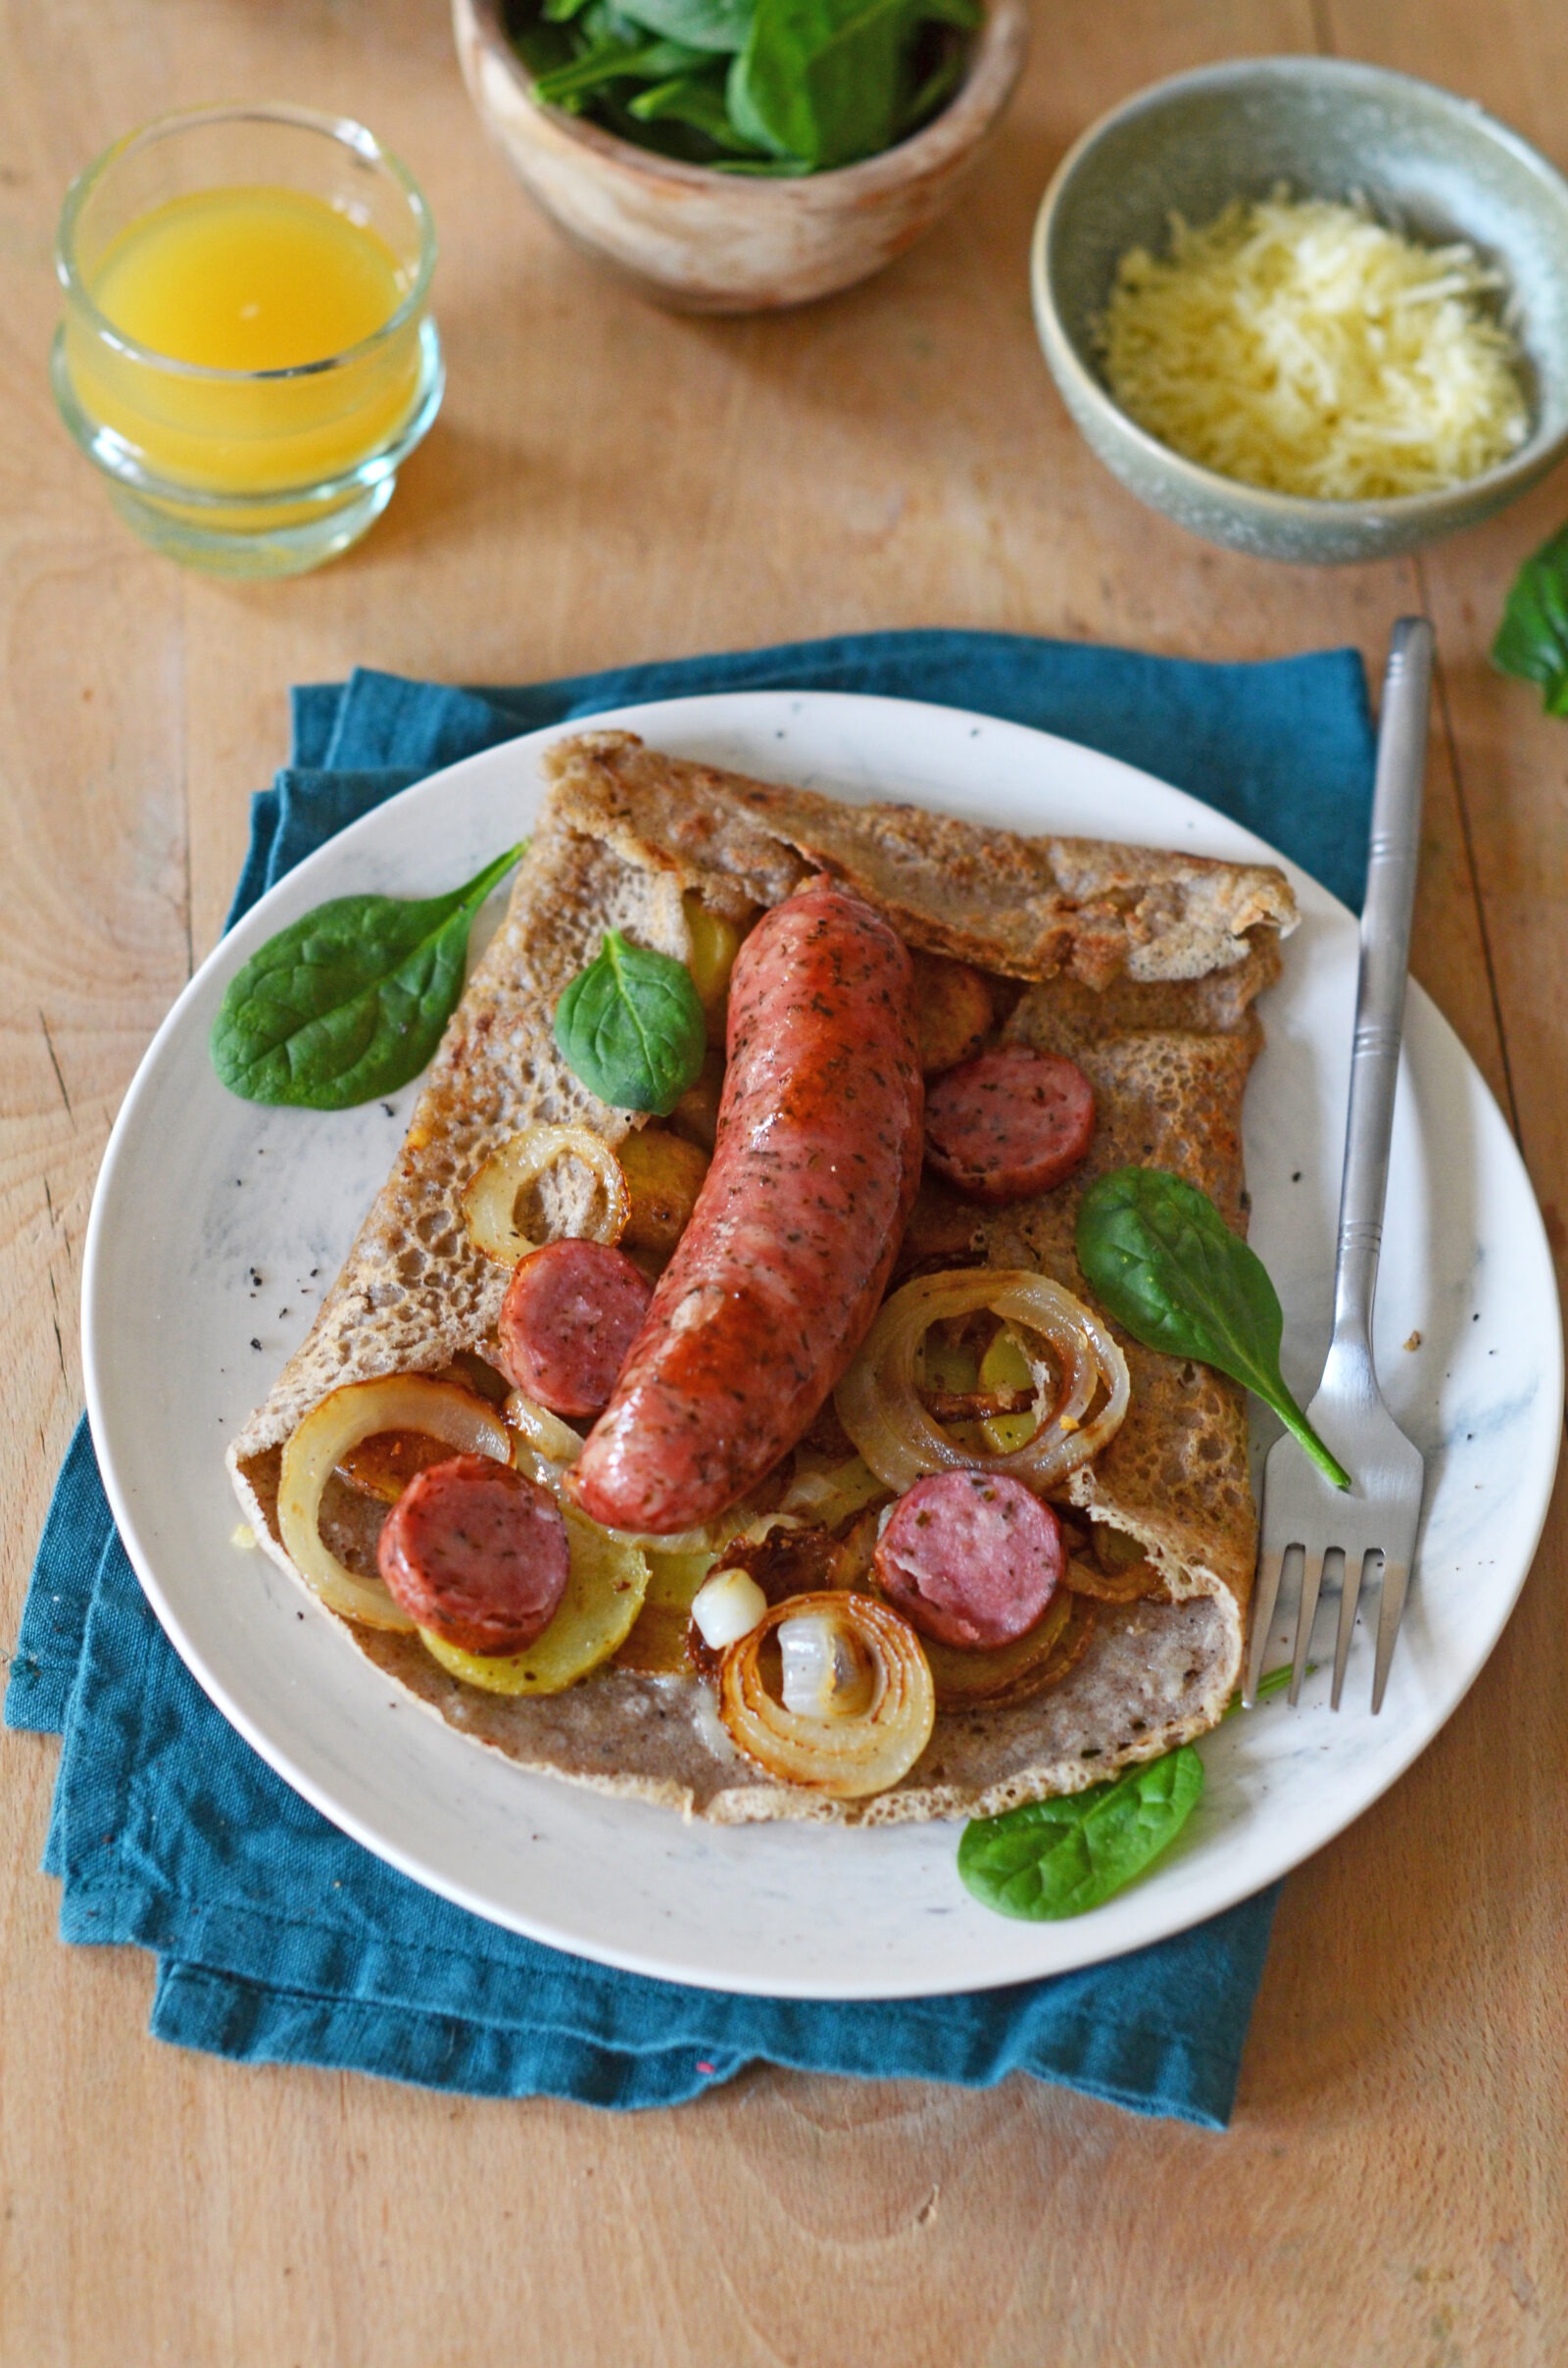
x=246 y=350
x=248 y=280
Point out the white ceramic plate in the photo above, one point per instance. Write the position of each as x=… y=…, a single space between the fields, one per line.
x=199 y=1189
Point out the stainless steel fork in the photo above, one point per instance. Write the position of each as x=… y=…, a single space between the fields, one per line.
x=1304 y=1512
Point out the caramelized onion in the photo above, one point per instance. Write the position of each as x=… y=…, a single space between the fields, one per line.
x=832 y=1496
x=826 y=1672
x=540 y=1439
x=965 y=1676
x=400 y=1401
x=1015 y=1672
x=1128 y=1586
x=848 y=1756
x=1072 y=1644
x=382 y=1465
x=879 y=1404
x=490 y=1196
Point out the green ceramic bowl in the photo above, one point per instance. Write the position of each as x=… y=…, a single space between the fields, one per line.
x=1436 y=166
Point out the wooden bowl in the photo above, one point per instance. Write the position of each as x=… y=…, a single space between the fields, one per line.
x=701 y=241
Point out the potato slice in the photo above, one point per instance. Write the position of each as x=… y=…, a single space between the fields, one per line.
x=1005 y=1366
x=715 y=942
x=664 y=1177
x=657 y=1645
x=953 y=1010
x=695 y=1116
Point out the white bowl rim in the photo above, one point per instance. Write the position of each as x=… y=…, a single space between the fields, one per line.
x=1521 y=467
x=1001 y=44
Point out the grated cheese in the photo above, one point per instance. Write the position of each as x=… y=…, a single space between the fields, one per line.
x=1302 y=346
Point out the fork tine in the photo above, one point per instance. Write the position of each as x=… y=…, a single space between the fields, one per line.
x=1395 y=1583
x=1306 y=1618
x=1270 y=1565
x=1350 y=1598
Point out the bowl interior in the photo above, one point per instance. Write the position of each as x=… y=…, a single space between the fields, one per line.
x=1429 y=163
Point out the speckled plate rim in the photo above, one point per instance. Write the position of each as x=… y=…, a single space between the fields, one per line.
x=794 y=1912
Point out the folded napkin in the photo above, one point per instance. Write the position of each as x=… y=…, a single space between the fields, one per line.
x=278 y=1940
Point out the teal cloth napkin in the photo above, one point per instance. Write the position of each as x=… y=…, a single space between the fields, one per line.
x=277 y=1938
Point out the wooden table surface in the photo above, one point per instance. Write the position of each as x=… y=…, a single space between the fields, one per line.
x=610 y=483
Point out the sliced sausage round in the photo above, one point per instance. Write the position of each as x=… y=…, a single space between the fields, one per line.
x=1011 y=1122
x=572 y=1311
x=970 y=1559
x=477 y=1552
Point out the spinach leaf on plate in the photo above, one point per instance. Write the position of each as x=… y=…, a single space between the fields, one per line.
x=1055 y=1859
x=1162 y=1260
x=631 y=1026
x=1272 y=1682
x=348 y=1002
x=1532 y=638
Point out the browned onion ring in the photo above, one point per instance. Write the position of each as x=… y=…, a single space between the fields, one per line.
x=879 y=1406
x=845 y=1757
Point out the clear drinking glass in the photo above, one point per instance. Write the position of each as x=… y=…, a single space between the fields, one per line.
x=248 y=472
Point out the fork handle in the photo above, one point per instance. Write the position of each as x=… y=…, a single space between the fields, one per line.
x=1392 y=863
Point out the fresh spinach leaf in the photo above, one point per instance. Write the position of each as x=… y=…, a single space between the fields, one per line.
x=348 y=1001
x=545 y=46
x=1162 y=1260
x=696 y=100
x=1055 y=1859
x=830 y=81
x=613 y=60
x=631 y=1027
x=1532 y=638
x=820 y=79
x=719 y=26
x=801 y=85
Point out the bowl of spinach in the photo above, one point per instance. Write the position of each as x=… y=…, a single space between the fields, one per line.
x=734 y=156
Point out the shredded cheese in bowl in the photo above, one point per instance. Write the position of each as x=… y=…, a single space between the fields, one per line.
x=1302 y=346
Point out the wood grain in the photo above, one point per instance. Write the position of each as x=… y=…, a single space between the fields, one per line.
x=609 y=483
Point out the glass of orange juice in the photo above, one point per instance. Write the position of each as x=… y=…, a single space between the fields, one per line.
x=247 y=351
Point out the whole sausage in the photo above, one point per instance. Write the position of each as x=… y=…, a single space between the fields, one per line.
x=1011 y=1122
x=779 y=1273
x=970 y=1559
x=572 y=1311
x=477 y=1552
